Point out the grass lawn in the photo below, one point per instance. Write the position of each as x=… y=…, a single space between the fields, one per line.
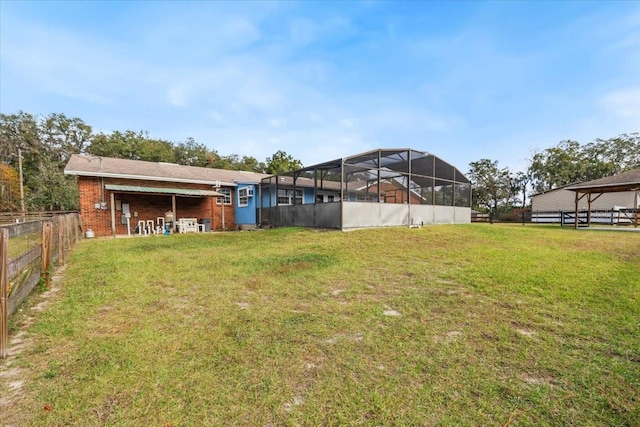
x=443 y=325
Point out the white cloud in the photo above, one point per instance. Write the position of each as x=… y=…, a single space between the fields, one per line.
x=304 y=31
x=277 y=123
x=624 y=103
x=178 y=95
x=240 y=30
x=217 y=117
x=346 y=123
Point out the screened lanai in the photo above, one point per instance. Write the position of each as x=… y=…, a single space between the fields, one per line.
x=384 y=187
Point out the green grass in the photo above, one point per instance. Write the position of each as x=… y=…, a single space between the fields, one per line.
x=499 y=325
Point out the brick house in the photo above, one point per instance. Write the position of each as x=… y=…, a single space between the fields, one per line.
x=112 y=189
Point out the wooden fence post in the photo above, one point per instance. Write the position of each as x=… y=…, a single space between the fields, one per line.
x=67 y=221
x=47 y=231
x=60 y=241
x=4 y=298
x=76 y=237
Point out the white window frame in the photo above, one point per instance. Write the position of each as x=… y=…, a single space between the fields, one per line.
x=243 y=196
x=287 y=194
x=227 y=196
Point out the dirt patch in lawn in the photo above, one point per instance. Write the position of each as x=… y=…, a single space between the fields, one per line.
x=12 y=373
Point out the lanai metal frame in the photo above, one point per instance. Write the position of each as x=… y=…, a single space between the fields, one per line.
x=389 y=177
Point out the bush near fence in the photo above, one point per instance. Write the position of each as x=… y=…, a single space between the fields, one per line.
x=29 y=250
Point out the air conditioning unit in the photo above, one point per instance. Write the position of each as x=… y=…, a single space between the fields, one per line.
x=250 y=192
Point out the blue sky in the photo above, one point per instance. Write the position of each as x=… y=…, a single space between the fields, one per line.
x=323 y=80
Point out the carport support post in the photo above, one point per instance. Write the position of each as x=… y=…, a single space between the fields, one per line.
x=213 y=204
x=113 y=214
x=575 y=218
x=175 y=214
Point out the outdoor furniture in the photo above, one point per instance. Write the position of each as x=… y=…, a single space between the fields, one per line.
x=142 y=229
x=187 y=225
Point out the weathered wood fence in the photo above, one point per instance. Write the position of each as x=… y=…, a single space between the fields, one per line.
x=29 y=251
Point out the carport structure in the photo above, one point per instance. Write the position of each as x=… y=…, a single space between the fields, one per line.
x=383 y=187
x=628 y=181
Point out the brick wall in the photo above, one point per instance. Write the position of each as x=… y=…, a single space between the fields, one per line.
x=145 y=206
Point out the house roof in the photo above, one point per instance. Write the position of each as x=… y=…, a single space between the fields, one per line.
x=628 y=181
x=108 y=167
x=564 y=187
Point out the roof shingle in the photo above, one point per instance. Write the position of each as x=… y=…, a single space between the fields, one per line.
x=97 y=166
x=622 y=182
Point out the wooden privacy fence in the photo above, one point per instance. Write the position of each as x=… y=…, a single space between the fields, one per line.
x=28 y=253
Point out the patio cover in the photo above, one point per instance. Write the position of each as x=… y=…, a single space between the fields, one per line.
x=161 y=190
x=628 y=181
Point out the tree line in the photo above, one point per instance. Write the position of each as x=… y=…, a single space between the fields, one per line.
x=500 y=190
x=46 y=143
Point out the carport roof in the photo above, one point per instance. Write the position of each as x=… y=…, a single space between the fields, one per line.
x=160 y=190
x=628 y=181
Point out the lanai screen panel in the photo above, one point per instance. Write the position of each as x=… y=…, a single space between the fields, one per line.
x=405 y=176
x=386 y=178
x=308 y=197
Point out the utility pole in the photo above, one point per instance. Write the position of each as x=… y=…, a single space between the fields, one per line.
x=21 y=179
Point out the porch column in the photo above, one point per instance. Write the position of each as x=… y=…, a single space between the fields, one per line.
x=175 y=214
x=113 y=214
x=575 y=219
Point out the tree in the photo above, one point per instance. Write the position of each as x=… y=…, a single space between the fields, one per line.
x=620 y=154
x=9 y=188
x=571 y=162
x=52 y=190
x=20 y=131
x=46 y=145
x=492 y=186
x=132 y=145
x=190 y=153
x=282 y=162
x=557 y=166
x=520 y=183
x=251 y=164
x=63 y=136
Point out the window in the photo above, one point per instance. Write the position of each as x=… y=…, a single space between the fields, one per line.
x=243 y=196
x=327 y=198
x=226 y=198
x=285 y=197
x=364 y=198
